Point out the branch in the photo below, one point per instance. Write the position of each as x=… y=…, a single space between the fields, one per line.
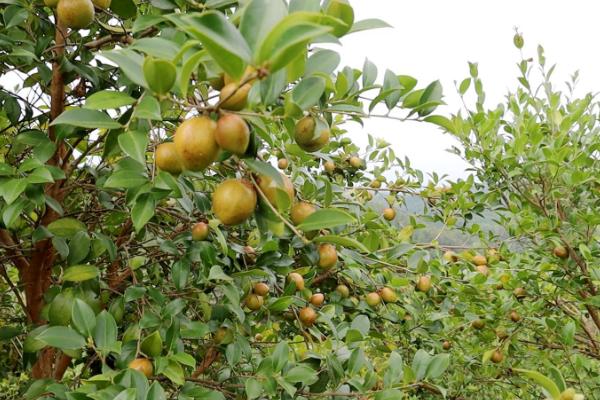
x=7 y=242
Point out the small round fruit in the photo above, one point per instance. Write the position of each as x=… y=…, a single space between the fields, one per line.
x=343 y=291
x=479 y=260
x=568 y=394
x=200 y=231
x=75 y=14
x=483 y=269
x=376 y=184
x=297 y=279
x=234 y=201
x=520 y=292
x=446 y=345
x=450 y=256
x=388 y=295
x=233 y=97
x=389 y=214
x=258 y=337
x=270 y=188
x=497 y=357
x=514 y=316
x=261 y=289
x=501 y=333
x=152 y=344
x=232 y=134
x=561 y=252
x=254 y=301
x=301 y=211
x=478 y=324
x=282 y=163
x=355 y=162
x=328 y=257
x=311 y=134
x=317 y=299
x=424 y=283
x=223 y=336
x=329 y=167
x=195 y=143
x=167 y=158
x=373 y=299
x=307 y=316
x=142 y=365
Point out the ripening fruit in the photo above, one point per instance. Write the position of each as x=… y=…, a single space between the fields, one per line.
x=483 y=269
x=258 y=337
x=317 y=299
x=514 y=316
x=478 y=324
x=373 y=299
x=232 y=134
x=270 y=188
x=160 y=74
x=329 y=167
x=376 y=184
x=355 y=162
x=501 y=333
x=519 y=42
x=568 y=394
x=223 y=336
x=297 y=279
x=311 y=134
x=446 y=345
x=450 y=256
x=388 y=295
x=389 y=214
x=479 y=260
x=234 y=201
x=327 y=256
x=561 y=252
x=261 y=289
x=497 y=357
x=520 y=292
x=254 y=301
x=233 y=97
x=301 y=211
x=200 y=231
x=248 y=72
x=104 y=4
x=142 y=365
x=282 y=163
x=167 y=159
x=424 y=283
x=307 y=316
x=51 y=3
x=195 y=143
x=75 y=14
x=343 y=291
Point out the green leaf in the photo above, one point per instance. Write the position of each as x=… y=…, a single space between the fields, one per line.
x=259 y=17
x=441 y=121
x=157 y=47
x=108 y=99
x=9 y=332
x=125 y=178
x=11 y=189
x=550 y=388
x=280 y=356
x=367 y=24
x=134 y=145
x=62 y=337
x=80 y=273
x=130 y=62
x=143 y=210
x=216 y=274
x=66 y=227
x=148 y=108
x=558 y=378
x=301 y=373
x=262 y=168
x=85 y=118
x=568 y=333
x=326 y=218
x=174 y=372
x=220 y=37
x=83 y=317
x=369 y=73
x=156 y=392
x=105 y=333
x=79 y=248
x=127 y=394
x=322 y=61
x=124 y=8
x=438 y=364
x=189 y=67
x=362 y=324
x=253 y=388
x=420 y=364
x=344 y=241
x=281 y=304
x=308 y=92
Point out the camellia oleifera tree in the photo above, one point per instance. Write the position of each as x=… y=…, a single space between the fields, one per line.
x=152 y=250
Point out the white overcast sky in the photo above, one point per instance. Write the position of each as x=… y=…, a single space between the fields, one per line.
x=434 y=39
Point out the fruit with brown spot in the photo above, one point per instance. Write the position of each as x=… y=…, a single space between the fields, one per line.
x=254 y=301
x=514 y=316
x=478 y=324
x=329 y=167
x=560 y=252
x=450 y=256
x=446 y=345
x=307 y=316
x=104 y=4
x=282 y=163
x=234 y=201
x=479 y=260
x=483 y=269
x=520 y=292
x=497 y=357
x=311 y=134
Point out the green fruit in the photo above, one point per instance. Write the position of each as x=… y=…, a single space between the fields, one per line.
x=373 y=299
x=343 y=291
x=152 y=345
x=223 y=336
x=160 y=74
x=311 y=134
x=200 y=231
x=75 y=14
x=167 y=159
x=343 y=11
x=388 y=295
x=59 y=312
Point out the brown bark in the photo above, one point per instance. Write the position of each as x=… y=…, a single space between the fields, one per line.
x=212 y=354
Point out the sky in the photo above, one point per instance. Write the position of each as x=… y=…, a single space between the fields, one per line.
x=434 y=39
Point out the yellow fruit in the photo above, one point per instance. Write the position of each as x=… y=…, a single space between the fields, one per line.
x=446 y=345
x=233 y=97
x=514 y=316
x=497 y=357
x=478 y=324
x=520 y=292
x=254 y=301
x=343 y=291
x=329 y=167
x=223 y=336
x=282 y=163
x=234 y=201
x=311 y=134
x=167 y=158
x=261 y=289
x=373 y=299
x=200 y=231
x=270 y=187
x=450 y=256
x=307 y=316
x=483 y=269
x=317 y=299
x=232 y=134
x=501 y=333
x=568 y=394
x=75 y=14
x=102 y=3
x=195 y=143
x=327 y=256
x=389 y=214
x=301 y=211
x=479 y=260
x=376 y=184
x=51 y=3
x=142 y=365
x=248 y=72
x=297 y=279
x=424 y=283
x=388 y=295
x=355 y=162
x=561 y=252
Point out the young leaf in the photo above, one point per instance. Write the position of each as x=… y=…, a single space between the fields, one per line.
x=326 y=218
